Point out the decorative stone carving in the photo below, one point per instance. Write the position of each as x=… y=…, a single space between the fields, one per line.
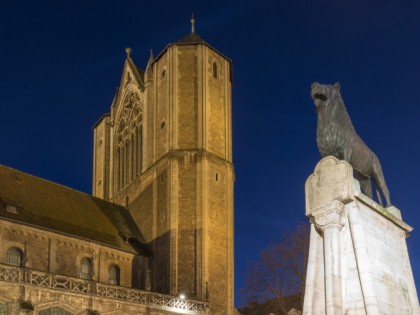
x=131 y=115
x=328 y=183
x=60 y=285
x=329 y=216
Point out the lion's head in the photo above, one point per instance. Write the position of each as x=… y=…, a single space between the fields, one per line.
x=324 y=94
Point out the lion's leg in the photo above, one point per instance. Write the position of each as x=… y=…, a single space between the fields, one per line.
x=380 y=182
x=366 y=186
x=378 y=193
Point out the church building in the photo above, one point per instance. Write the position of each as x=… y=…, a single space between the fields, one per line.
x=156 y=235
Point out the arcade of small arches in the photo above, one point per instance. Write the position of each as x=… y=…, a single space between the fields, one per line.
x=128 y=141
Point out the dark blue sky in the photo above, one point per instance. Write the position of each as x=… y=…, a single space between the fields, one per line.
x=60 y=62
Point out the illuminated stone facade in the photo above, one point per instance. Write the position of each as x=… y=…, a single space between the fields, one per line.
x=160 y=222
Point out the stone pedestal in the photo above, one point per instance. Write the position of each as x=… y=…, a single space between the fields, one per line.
x=358 y=259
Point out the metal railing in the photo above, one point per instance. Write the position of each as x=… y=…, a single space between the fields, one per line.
x=32 y=277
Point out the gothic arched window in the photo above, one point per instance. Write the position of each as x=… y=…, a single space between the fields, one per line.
x=114 y=274
x=128 y=143
x=14 y=257
x=86 y=268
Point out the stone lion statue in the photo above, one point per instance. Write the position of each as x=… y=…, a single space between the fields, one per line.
x=336 y=136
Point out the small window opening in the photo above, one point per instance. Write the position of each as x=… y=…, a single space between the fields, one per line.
x=86 y=269
x=217 y=177
x=14 y=257
x=214 y=70
x=163 y=74
x=114 y=275
x=12 y=209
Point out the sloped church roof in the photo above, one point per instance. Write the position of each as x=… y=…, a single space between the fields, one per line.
x=37 y=202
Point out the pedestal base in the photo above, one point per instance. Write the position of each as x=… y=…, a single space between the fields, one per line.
x=358 y=259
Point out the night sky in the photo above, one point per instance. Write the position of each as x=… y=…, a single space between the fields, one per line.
x=61 y=61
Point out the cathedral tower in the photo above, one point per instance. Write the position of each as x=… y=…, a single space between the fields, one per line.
x=165 y=152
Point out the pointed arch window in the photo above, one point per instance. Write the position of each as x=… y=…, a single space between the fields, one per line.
x=15 y=256
x=114 y=274
x=128 y=144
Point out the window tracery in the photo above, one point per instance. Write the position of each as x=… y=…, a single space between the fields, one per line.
x=128 y=144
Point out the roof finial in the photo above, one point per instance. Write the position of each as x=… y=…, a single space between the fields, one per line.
x=192 y=23
x=128 y=51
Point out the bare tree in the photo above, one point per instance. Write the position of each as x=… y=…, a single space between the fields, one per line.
x=278 y=278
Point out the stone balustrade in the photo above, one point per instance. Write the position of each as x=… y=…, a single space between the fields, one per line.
x=46 y=280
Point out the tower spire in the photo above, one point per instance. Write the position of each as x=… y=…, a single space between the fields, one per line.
x=192 y=23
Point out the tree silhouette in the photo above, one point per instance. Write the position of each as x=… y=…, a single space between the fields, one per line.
x=277 y=279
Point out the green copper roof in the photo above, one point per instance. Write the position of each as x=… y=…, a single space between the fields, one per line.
x=60 y=209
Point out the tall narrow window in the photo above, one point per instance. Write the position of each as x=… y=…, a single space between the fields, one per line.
x=86 y=268
x=214 y=70
x=114 y=275
x=122 y=165
x=133 y=157
x=14 y=257
x=127 y=139
x=139 y=150
x=136 y=149
x=117 y=184
x=127 y=165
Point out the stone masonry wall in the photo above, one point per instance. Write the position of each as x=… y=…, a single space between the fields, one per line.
x=76 y=303
x=60 y=254
x=219 y=235
x=162 y=99
x=186 y=102
x=216 y=105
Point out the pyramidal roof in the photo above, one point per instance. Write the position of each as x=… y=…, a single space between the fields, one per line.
x=191 y=38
